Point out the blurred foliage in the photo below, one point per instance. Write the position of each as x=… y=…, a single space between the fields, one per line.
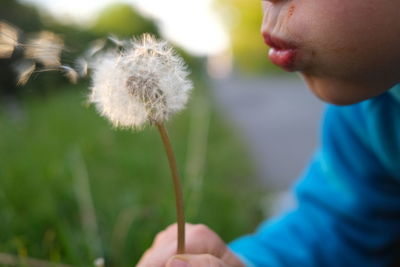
x=243 y=19
x=49 y=147
x=123 y=21
x=25 y=16
x=51 y=143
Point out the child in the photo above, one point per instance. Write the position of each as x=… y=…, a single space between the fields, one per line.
x=348 y=211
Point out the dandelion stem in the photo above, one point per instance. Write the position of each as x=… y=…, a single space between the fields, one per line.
x=177 y=187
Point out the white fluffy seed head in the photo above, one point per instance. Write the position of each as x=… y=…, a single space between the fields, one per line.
x=145 y=82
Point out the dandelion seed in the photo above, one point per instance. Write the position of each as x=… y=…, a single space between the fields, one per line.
x=45 y=48
x=117 y=41
x=70 y=73
x=95 y=47
x=24 y=70
x=8 y=39
x=99 y=262
x=81 y=67
x=145 y=82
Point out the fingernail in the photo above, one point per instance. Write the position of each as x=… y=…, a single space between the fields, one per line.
x=179 y=263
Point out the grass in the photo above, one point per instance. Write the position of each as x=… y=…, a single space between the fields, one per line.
x=73 y=189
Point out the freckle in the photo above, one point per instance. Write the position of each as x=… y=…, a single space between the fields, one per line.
x=291 y=10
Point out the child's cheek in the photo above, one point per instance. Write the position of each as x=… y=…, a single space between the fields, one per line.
x=322 y=30
x=340 y=26
x=299 y=24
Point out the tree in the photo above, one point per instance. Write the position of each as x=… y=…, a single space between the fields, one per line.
x=123 y=21
x=25 y=17
x=243 y=19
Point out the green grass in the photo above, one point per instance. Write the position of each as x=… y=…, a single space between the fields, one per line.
x=73 y=189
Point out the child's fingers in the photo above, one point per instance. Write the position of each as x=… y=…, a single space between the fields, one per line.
x=163 y=247
x=199 y=240
x=190 y=260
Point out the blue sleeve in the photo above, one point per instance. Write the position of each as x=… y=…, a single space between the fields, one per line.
x=348 y=200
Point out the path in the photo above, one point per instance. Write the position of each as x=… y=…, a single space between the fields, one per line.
x=279 y=119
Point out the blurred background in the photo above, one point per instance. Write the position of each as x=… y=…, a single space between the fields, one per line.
x=76 y=192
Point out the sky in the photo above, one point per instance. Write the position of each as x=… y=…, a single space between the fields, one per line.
x=191 y=24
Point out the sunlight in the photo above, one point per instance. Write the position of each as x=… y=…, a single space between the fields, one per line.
x=191 y=24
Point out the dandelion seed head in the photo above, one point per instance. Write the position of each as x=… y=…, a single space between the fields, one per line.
x=146 y=82
x=46 y=48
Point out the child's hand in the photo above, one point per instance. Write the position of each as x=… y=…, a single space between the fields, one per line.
x=203 y=248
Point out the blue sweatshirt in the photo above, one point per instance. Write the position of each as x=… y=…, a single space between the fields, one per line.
x=348 y=199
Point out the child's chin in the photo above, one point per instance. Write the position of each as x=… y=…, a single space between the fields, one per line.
x=339 y=101
x=339 y=92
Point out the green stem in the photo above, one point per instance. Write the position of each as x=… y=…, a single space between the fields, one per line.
x=180 y=216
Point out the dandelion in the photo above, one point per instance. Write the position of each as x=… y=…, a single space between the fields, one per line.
x=8 y=39
x=146 y=82
x=143 y=82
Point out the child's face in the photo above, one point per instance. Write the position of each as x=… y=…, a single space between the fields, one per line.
x=346 y=50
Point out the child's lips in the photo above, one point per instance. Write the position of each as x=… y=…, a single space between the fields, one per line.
x=281 y=53
x=284 y=58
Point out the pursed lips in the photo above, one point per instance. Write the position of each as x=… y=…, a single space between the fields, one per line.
x=281 y=53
